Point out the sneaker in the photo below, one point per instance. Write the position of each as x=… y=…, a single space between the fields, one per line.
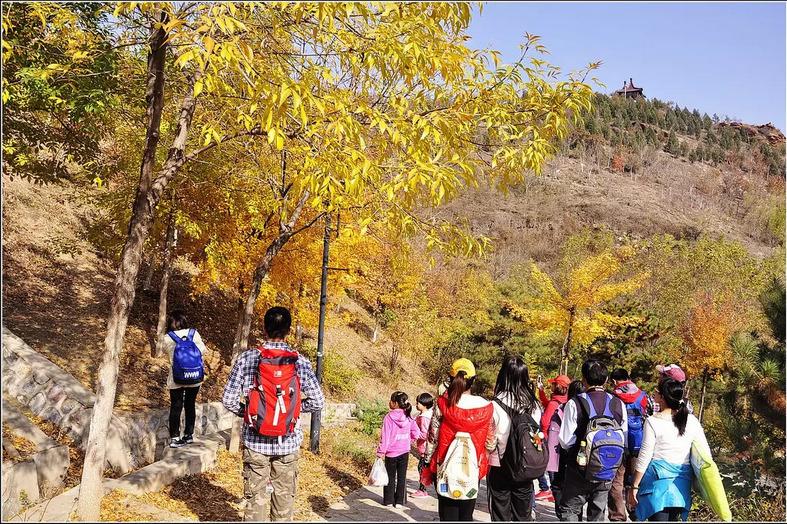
x=542 y=495
x=420 y=494
x=177 y=442
x=188 y=439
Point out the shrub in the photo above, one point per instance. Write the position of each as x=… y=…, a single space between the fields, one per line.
x=371 y=417
x=338 y=377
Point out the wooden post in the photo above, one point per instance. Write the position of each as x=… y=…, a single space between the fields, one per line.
x=314 y=429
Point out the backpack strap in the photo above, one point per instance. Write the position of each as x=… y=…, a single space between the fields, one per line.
x=174 y=337
x=191 y=334
x=638 y=402
x=586 y=402
x=608 y=406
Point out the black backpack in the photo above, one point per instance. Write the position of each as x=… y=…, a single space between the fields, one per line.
x=526 y=455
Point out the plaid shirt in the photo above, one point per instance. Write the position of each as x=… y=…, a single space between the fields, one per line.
x=239 y=384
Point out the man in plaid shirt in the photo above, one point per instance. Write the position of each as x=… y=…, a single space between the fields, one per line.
x=268 y=458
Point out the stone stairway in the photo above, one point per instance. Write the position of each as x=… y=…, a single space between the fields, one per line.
x=189 y=460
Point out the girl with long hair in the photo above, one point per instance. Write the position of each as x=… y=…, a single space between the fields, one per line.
x=398 y=430
x=661 y=489
x=510 y=500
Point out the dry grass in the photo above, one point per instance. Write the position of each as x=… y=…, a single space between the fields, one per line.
x=23 y=447
x=216 y=494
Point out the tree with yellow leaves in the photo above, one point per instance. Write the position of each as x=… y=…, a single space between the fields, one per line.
x=575 y=310
x=706 y=332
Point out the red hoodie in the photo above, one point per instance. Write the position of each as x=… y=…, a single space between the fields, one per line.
x=627 y=391
x=550 y=408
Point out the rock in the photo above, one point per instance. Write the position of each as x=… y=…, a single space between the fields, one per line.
x=51 y=467
x=20 y=486
x=37 y=403
x=41 y=376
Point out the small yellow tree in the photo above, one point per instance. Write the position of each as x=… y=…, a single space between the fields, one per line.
x=576 y=312
x=706 y=332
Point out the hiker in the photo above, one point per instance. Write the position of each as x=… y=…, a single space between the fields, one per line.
x=594 y=434
x=661 y=489
x=520 y=454
x=271 y=442
x=551 y=406
x=462 y=430
x=186 y=373
x=636 y=402
x=398 y=430
x=423 y=404
x=553 y=441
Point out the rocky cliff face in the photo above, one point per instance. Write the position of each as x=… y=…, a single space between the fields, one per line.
x=767 y=131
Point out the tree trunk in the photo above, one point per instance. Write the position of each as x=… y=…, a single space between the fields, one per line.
x=149 y=193
x=702 y=393
x=566 y=349
x=169 y=247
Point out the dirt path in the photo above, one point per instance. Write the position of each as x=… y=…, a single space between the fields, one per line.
x=365 y=505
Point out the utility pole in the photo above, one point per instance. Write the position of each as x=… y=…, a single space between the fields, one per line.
x=314 y=431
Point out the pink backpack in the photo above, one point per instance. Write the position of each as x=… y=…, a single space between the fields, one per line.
x=553 y=442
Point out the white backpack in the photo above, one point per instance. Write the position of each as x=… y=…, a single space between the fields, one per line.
x=457 y=477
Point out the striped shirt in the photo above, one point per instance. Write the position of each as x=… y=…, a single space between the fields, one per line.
x=241 y=381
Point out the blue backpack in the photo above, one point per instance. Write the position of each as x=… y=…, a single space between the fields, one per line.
x=604 y=441
x=187 y=367
x=636 y=421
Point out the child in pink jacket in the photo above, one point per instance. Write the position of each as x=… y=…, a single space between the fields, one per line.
x=397 y=432
x=423 y=403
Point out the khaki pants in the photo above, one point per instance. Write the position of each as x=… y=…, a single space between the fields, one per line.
x=282 y=471
x=616 y=505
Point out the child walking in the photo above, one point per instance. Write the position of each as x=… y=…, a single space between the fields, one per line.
x=397 y=433
x=185 y=347
x=423 y=403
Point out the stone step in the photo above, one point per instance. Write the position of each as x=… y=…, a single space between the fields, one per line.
x=40 y=474
x=178 y=462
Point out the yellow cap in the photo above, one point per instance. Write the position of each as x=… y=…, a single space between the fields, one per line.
x=463 y=364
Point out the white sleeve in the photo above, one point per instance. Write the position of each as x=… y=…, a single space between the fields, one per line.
x=648 y=446
x=700 y=437
x=198 y=342
x=625 y=425
x=569 y=425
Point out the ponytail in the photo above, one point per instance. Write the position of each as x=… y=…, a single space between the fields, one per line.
x=401 y=400
x=672 y=392
x=459 y=384
x=680 y=417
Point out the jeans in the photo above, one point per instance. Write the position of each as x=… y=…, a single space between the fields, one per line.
x=543 y=485
x=451 y=510
x=667 y=515
x=176 y=405
x=577 y=491
x=556 y=492
x=508 y=500
x=396 y=467
x=282 y=472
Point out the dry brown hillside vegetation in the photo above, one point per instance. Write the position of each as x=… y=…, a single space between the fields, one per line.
x=56 y=292
x=668 y=195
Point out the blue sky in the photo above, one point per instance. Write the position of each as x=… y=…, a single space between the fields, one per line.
x=725 y=58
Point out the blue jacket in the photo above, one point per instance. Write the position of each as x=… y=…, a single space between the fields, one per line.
x=664 y=485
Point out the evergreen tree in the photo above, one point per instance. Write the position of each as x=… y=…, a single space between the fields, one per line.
x=672 y=145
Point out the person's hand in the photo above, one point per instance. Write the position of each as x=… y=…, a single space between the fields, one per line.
x=632 y=498
x=381 y=455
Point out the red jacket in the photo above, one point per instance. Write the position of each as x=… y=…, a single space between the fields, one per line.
x=627 y=391
x=549 y=410
x=455 y=419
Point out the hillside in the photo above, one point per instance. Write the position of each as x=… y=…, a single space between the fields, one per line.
x=56 y=292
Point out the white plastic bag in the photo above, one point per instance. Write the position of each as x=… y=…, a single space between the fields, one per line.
x=378 y=476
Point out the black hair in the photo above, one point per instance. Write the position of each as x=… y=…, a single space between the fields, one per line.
x=401 y=399
x=575 y=388
x=425 y=399
x=672 y=392
x=277 y=322
x=177 y=320
x=619 y=374
x=514 y=379
x=459 y=384
x=594 y=372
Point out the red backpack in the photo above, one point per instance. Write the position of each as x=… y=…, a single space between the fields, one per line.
x=274 y=402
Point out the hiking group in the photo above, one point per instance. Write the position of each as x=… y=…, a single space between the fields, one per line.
x=620 y=453
x=623 y=453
